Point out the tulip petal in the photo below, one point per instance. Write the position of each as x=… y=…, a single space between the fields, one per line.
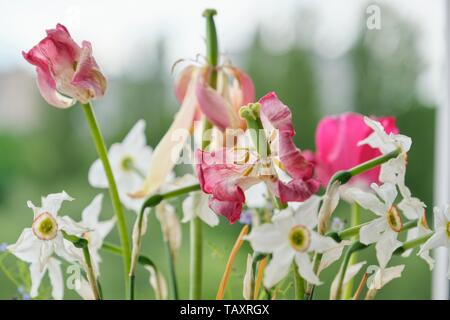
x=166 y=153
x=88 y=76
x=213 y=105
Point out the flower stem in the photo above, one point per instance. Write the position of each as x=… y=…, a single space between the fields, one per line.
x=355 y=220
x=82 y=243
x=299 y=283
x=90 y=273
x=195 y=289
x=229 y=265
x=103 y=155
x=173 y=276
x=356 y=246
x=363 y=167
x=413 y=243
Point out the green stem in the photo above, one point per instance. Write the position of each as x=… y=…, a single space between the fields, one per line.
x=355 y=220
x=413 y=243
x=103 y=155
x=363 y=167
x=195 y=289
x=309 y=292
x=91 y=274
x=173 y=276
x=356 y=246
x=299 y=284
x=83 y=244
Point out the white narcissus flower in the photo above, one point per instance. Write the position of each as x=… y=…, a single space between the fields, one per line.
x=290 y=237
x=37 y=245
x=53 y=267
x=332 y=255
x=350 y=273
x=382 y=277
x=441 y=236
x=383 y=230
x=97 y=230
x=421 y=230
x=392 y=171
x=129 y=159
x=158 y=283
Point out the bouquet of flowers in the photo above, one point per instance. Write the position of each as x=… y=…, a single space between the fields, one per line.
x=246 y=168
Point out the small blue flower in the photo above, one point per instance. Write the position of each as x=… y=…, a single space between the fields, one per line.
x=3 y=247
x=246 y=217
x=24 y=295
x=337 y=224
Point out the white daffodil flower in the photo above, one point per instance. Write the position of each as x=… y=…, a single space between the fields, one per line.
x=382 y=277
x=158 y=283
x=53 y=267
x=441 y=236
x=392 y=171
x=170 y=226
x=97 y=230
x=38 y=243
x=350 y=273
x=421 y=230
x=129 y=159
x=290 y=237
x=383 y=230
x=332 y=255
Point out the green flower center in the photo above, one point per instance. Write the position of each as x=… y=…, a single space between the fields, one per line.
x=300 y=238
x=448 y=229
x=127 y=163
x=394 y=219
x=45 y=226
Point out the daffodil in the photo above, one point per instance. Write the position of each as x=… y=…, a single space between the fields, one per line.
x=383 y=230
x=291 y=237
x=393 y=171
x=129 y=159
x=96 y=230
x=441 y=236
x=38 y=244
x=381 y=278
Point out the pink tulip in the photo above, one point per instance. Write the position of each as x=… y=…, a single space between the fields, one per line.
x=221 y=106
x=336 y=146
x=226 y=179
x=66 y=72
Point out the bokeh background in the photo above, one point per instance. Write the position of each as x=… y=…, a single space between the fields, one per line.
x=319 y=56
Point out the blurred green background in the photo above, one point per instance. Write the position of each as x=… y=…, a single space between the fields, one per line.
x=56 y=153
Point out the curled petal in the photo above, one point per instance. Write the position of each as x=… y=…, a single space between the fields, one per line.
x=213 y=105
x=294 y=190
x=168 y=149
x=88 y=77
x=273 y=111
x=182 y=82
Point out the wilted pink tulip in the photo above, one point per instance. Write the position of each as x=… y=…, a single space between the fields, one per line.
x=221 y=106
x=66 y=72
x=337 y=147
x=226 y=180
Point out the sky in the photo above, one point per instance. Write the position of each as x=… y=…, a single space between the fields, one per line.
x=124 y=31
